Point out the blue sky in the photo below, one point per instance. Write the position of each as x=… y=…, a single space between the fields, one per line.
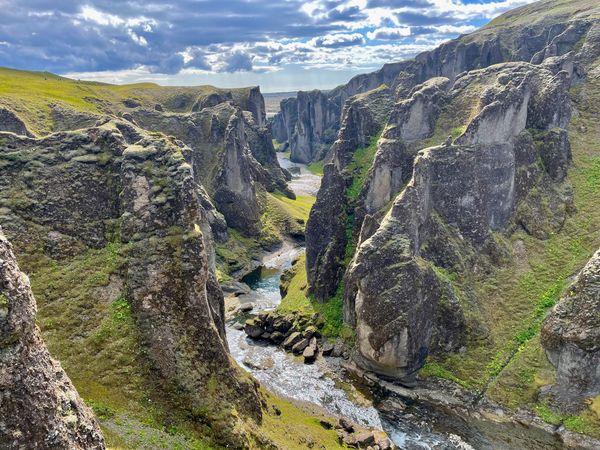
x=280 y=44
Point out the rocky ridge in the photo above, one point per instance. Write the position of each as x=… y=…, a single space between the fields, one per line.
x=115 y=183
x=465 y=160
x=545 y=34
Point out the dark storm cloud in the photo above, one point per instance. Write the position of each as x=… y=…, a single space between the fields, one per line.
x=237 y=62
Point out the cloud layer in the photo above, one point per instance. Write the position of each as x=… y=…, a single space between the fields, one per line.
x=220 y=37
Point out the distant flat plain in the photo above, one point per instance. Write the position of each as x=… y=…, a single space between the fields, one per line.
x=273 y=99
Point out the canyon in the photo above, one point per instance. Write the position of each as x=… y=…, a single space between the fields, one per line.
x=408 y=259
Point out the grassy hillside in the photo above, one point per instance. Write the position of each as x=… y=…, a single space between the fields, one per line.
x=30 y=95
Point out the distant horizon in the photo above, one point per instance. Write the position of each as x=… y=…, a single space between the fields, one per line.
x=281 y=47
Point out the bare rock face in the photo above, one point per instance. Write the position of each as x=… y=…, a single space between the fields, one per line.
x=235 y=195
x=571 y=338
x=9 y=121
x=39 y=407
x=326 y=229
x=214 y=133
x=459 y=194
x=326 y=235
x=309 y=123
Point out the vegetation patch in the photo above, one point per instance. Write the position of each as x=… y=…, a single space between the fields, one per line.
x=362 y=160
x=316 y=167
x=331 y=311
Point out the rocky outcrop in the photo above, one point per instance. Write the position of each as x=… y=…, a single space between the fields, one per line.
x=103 y=184
x=327 y=226
x=571 y=338
x=235 y=194
x=224 y=140
x=9 y=121
x=65 y=119
x=460 y=193
x=39 y=407
x=326 y=235
x=309 y=124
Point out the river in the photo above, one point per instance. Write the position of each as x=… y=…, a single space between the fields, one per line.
x=321 y=383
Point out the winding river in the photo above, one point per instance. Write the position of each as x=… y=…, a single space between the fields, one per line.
x=321 y=383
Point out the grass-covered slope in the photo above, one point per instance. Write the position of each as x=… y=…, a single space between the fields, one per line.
x=31 y=94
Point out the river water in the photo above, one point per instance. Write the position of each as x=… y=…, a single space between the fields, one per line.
x=318 y=383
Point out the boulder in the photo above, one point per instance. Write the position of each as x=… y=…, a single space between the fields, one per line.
x=253 y=328
x=327 y=349
x=292 y=340
x=299 y=346
x=311 y=351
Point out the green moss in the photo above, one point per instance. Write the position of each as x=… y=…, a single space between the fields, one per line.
x=3 y=301
x=362 y=160
x=295 y=427
x=331 y=311
x=316 y=167
x=298 y=208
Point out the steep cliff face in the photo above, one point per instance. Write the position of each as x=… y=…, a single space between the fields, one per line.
x=197 y=116
x=571 y=338
x=39 y=406
x=224 y=140
x=549 y=31
x=327 y=227
x=118 y=185
x=309 y=123
x=460 y=193
x=235 y=194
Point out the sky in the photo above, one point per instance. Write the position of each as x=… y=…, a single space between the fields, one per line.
x=281 y=45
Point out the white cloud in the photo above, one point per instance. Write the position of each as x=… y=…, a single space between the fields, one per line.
x=338 y=40
x=140 y=40
x=389 y=33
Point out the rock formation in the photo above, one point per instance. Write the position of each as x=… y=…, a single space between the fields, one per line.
x=117 y=182
x=39 y=407
x=9 y=121
x=508 y=41
x=462 y=191
x=506 y=154
x=571 y=338
x=225 y=140
x=309 y=123
x=326 y=236
x=235 y=194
